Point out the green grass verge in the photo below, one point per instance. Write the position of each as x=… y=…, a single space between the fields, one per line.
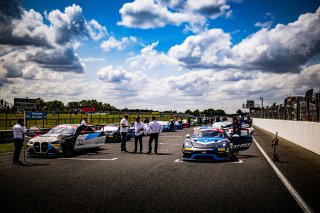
x=7 y=121
x=7 y=147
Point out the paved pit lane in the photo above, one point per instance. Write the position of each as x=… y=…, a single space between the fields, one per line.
x=112 y=181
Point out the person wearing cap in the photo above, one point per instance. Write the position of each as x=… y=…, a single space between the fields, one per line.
x=18 y=136
x=154 y=129
x=138 y=132
x=124 y=128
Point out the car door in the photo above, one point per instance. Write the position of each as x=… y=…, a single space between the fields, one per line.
x=88 y=138
x=243 y=141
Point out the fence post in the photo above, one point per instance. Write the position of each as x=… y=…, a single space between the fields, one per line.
x=6 y=118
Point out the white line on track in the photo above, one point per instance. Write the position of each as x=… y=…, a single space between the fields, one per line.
x=170 y=136
x=175 y=144
x=239 y=161
x=89 y=159
x=181 y=161
x=303 y=205
x=178 y=161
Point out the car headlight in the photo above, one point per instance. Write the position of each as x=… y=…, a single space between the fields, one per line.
x=187 y=144
x=223 y=144
x=30 y=142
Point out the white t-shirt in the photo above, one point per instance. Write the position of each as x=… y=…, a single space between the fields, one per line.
x=84 y=123
x=126 y=123
x=18 y=131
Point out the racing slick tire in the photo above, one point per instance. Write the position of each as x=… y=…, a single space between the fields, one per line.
x=68 y=149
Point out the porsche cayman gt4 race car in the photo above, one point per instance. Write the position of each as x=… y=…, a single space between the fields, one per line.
x=207 y=144
x=215 y=144
x=66 y=139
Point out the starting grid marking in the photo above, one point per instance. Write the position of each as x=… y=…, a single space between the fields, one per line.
x=89 y=159
x=181 y=161
x=170 y=136
x=172 y=144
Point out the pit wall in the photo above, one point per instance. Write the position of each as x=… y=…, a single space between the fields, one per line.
x=305 y=134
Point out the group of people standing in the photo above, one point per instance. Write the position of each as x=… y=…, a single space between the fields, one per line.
x=154 y=129
x=19 y=131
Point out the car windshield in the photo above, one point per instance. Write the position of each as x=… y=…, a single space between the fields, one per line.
x=207 y=134
x=63 y=130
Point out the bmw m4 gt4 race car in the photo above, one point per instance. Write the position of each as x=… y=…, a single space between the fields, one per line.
x=66 y=139
x=207 y=144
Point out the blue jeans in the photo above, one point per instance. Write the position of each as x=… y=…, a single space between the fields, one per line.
x=123 y=141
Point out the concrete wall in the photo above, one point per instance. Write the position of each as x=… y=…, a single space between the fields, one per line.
x=305 y=134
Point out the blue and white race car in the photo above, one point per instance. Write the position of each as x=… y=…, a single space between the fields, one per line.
x=215 y=144
x=66 y=139
x=207 y=144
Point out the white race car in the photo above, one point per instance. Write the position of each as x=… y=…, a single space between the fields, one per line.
x=66 y=139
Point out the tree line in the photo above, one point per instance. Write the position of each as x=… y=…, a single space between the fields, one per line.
x=76 y=106
x=208 y=112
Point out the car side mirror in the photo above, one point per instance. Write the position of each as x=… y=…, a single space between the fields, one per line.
x=188 y=136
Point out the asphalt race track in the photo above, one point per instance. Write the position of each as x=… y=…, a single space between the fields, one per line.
x=111 y=181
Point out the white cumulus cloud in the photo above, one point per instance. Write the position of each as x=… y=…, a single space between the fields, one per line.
x=148 y=14
x=113 y=43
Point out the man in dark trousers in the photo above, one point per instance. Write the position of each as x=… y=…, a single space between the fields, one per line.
x=138 y=132
x=124 y=127
x=154 y=129
x=18 y=136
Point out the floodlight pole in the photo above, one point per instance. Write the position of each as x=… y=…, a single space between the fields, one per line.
x=261 y=98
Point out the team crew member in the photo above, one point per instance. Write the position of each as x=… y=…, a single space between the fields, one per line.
x=84 y=122
x=18 y=135
x=124 y=127
x=138 y=132
x=235 y=125
x=154 y=129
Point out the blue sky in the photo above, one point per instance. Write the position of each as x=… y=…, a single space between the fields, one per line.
x=164 y=55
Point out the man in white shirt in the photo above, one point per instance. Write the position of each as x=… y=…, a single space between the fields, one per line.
x=124 y=127
x=138 y=132
x=18 y=136
x=84 y=122
x=154 y=129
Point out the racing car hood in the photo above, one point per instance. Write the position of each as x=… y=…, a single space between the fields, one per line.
x=48 y=138
x=206 y=140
